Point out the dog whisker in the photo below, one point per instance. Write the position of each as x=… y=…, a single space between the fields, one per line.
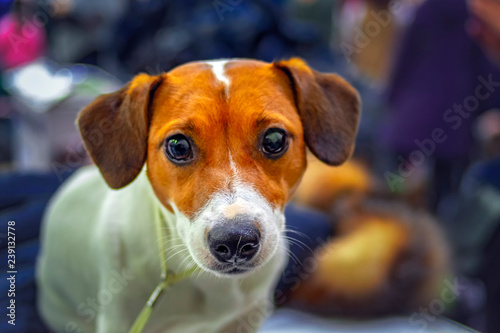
x=177 y=253
x=188 y=263
x=299 y=243
x=291 y=254
x=287 y=229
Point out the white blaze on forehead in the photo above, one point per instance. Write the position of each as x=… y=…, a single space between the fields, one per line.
x=232 y=164
x=219 y=71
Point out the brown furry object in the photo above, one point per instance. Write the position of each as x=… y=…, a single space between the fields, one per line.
x=386 y=258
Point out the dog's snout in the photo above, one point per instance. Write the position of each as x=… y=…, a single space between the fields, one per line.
x=235 y=244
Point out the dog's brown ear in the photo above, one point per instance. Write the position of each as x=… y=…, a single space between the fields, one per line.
x=329 y=108
x=114 y=128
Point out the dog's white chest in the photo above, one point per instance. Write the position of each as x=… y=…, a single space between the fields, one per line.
x=115 y=247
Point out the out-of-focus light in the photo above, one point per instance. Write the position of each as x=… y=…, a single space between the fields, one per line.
x=35 y=82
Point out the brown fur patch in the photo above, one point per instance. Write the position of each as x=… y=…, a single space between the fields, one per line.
x=387 y=259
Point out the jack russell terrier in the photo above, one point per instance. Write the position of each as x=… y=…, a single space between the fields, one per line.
x=224 y=145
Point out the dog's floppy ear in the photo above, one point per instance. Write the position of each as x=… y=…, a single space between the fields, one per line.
x=329 y=108
x=114 y=128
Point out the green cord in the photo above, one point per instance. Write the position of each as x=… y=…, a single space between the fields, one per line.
x=166 y=281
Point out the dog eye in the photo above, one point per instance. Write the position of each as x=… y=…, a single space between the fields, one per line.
x=178 y=148
x=274 y=142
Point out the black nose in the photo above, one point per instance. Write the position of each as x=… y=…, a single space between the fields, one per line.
x=234 y=243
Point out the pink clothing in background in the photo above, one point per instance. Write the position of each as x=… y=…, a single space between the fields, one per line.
x=20 y=43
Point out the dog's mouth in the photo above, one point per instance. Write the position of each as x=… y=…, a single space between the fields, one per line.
x=232 y=268
x=235 y=270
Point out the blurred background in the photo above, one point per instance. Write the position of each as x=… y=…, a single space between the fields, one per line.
x=428 y=72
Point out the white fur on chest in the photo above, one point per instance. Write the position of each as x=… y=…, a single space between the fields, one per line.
x=201 y=303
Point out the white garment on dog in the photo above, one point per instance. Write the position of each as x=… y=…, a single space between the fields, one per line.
x=100 y=263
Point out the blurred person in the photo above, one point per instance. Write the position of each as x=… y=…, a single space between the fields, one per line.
x=366 y=41
x=441 y=81
x=22 y=37
x=369 y=34
x=474 y=230
x=370 y=30
x=84 y=30
x=485 y=26
x=477 y=244
x=22 y=41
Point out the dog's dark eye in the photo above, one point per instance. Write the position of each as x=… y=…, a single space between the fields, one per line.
x=178 y=148
x=274 y=142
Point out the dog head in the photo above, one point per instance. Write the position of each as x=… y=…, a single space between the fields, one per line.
x=225 y=146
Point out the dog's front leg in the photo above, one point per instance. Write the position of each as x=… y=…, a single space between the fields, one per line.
x=118 y=313
x=251 y=320
x=114 y=320
x=111 y=320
